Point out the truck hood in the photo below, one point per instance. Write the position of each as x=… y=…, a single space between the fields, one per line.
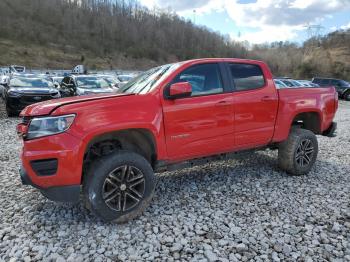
x=45 y=108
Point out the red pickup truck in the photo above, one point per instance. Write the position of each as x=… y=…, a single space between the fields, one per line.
x=172 y=116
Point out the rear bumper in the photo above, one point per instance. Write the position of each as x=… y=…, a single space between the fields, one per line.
x=59 y=193
x=331 y=131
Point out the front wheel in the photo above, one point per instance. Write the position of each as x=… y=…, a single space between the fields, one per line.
x=119 y=187
x=298 y=153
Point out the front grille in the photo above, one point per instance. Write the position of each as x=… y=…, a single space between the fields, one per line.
x=31 y=99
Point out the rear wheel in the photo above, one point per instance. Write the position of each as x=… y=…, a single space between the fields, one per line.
x=119 y=187
x=298 y=153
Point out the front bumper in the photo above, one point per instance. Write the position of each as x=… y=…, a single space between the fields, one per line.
x=59 y=193
x=17 y=104
x=331 y=131
x=53 y=164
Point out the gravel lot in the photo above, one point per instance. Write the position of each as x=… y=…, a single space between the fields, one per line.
x=239 y=210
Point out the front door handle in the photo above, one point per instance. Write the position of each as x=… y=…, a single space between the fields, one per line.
x=223 y=103
x=267 y=99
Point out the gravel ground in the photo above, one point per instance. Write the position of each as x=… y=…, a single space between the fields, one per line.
x=239 y=210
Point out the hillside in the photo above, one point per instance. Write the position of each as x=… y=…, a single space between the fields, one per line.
x=327 y=56
x=104 y=34
x=36 y=56
x=117 y=33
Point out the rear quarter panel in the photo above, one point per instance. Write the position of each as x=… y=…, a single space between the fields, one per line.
x=294 y=101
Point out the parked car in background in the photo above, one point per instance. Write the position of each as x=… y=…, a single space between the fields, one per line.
x=342 y=87
x=112 y=80
x=78 y=85
x=290 y=82
x=279 y=84
x=56 y=80
x=123 y=79
x=3 y=82
x=21 y=91
x=173 y=116
x=17 y=69
x=307 y=83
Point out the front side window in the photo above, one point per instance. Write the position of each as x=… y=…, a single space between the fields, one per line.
x=247 y=77
x=205 y=79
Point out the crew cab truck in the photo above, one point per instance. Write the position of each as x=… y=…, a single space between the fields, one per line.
x=172 y=116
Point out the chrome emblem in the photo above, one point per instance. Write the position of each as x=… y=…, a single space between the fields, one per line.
x=37 y=98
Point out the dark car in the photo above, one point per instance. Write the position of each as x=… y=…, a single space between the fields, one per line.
x=77 y=85
x=21 y=91
x=342 y=87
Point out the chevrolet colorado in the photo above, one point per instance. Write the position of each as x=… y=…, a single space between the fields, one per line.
x=172 y=116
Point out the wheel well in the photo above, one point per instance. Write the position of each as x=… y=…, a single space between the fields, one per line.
x=140 y=141
x=308 y=120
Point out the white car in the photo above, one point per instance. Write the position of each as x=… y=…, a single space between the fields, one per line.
x=279 y=84
x=124 y=79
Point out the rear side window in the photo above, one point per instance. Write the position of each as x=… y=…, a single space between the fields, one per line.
x=247 y=77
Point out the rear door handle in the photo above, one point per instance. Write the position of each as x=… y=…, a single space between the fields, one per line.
x=267 y=99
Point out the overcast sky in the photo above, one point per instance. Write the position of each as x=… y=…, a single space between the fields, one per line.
x=260 y=21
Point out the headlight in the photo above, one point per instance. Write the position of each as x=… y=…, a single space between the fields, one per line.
x=56 y=94
x=13 y=94
x=46 y=126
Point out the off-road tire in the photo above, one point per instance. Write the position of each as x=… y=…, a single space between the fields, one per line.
x=95 y=182
x=290 y=152
x=347 y=96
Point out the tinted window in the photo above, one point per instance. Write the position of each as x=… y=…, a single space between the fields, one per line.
x=205 y=79
x=325 y=82
x=247 y=77
x=335 y=82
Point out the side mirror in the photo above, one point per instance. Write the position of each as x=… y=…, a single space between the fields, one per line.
x=180 y=90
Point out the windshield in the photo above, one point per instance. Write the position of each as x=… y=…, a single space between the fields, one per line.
x=30 y=82
x=145 y=82
x=124 y=78
x=111 y=80
x=344 y=83
x=91 y=82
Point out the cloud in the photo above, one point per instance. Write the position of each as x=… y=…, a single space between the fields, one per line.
x=345 y=27
x=263 y=20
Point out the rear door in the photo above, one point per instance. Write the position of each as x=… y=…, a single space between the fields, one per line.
x=202 y=124
x=255 y=104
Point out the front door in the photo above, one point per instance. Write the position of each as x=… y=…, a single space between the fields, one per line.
x=202 y=124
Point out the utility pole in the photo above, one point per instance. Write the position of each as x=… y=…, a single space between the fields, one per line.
x=194 y=16
x=314 y=33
